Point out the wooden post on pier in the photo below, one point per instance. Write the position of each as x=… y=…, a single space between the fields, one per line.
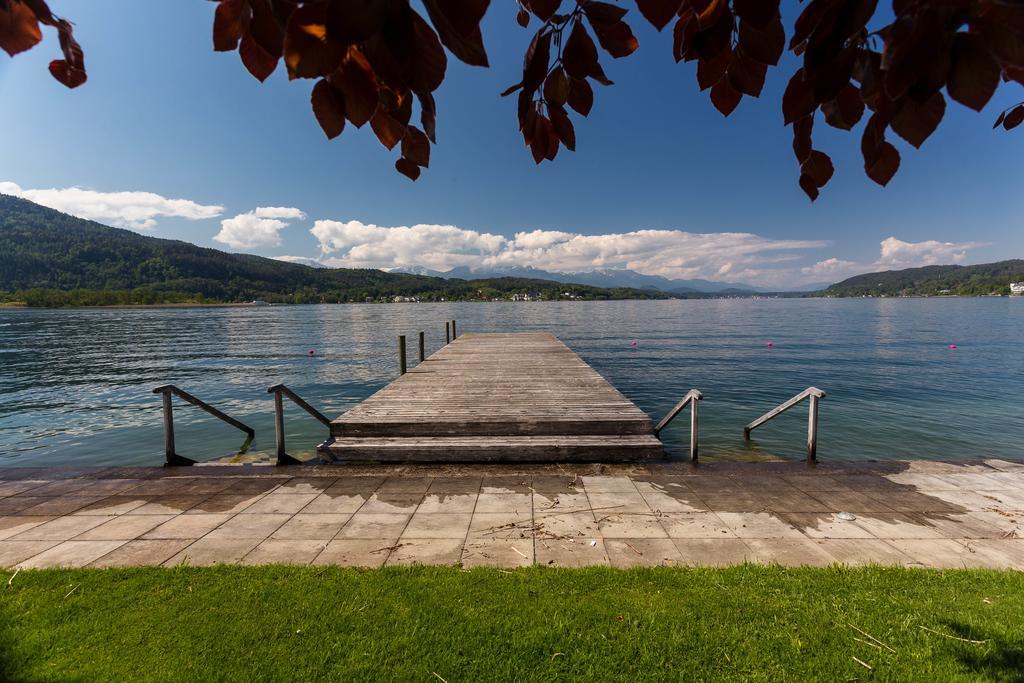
x=447 y=333
x=812 y=431
x=693 y=430
x=401 y=354
x=279 y=426
x=423 y=355
x=454 y=334
x=169 y=428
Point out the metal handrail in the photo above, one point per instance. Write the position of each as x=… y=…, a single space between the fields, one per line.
x=168 y=390
x=693 y=396
x=280 y=390
x=812 y=393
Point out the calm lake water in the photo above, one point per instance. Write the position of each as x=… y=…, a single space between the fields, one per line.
x=75 y=385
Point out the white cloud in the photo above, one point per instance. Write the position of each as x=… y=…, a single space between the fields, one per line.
x=896 y=254
x=831 y=267
x=133 y=210
x=260 y=227
x=670 y=253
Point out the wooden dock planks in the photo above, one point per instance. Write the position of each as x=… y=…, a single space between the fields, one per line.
x=492 y=397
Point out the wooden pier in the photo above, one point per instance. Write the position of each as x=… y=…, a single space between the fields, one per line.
x=496 y=397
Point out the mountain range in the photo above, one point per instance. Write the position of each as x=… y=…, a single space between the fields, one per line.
x=601 y=277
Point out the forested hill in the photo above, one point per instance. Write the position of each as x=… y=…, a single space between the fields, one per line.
x=982 y=279
x=51 y=258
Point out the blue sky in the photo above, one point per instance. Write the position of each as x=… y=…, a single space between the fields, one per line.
x=712 y=197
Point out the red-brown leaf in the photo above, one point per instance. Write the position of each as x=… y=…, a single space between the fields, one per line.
x=802 y=137
x=845 y=110
x=350 y=22
x=766 y=43
x=563 y=127
x=407 y=168
x=603 y=12
x=747 y=75
x=756 y=12
x=974 y=72
x=19 y=28
x=307 y=52
x=535 y=62
x=429 y=62
x=428 y=115
x=581 y=96
x=579 y=55
x=1014 y=117
x=458 y=24
x=329 y=108
x=523 y=18
x=556 y=87
x=710 y=71
x=798 y=100
x=416 y=147
x=658 y=12
x=915 y=121
x=358 y=84
x=725 y=97
x=230 y=22
x=389 y=130
x=544 y=9
x=883 y=163
x=256 y=59
x=808 y=186
x=617 y=39
x=818 y=166
x=683 y=32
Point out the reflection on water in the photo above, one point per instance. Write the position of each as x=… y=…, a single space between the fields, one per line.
x=76 y=383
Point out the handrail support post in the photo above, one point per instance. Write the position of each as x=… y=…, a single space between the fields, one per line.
x=812 y=431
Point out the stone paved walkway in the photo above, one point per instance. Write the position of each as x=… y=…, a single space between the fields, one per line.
x=921 y=514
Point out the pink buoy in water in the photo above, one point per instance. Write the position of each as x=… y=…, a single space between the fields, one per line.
x=312 y=352
x=633 y=343
x=770 y=345
x=952 y=346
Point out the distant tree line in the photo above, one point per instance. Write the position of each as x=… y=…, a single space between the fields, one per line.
x=48 y=258
x=978 y=280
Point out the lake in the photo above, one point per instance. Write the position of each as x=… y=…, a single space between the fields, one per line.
x=77 y=384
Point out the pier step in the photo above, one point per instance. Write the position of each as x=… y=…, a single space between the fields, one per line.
x=506 y=425
x=581 y=448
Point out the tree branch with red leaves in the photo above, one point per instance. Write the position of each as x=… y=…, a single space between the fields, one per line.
x=374 y=61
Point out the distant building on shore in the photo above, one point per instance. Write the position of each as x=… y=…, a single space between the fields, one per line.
x=1017 y=288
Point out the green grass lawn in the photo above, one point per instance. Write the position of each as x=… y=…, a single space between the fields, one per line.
x=434 y=623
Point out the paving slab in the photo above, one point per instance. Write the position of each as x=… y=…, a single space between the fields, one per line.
x=863 y=551
x=282 y=551
x=498 y=552
x=12 y=526
x=712 y=552
x=256 y=525
x=355 y=552
x=437 y=525
x=188 y=526
x=427 y=551
x=366 y=525
x=311 y=527
x=142 y=553
x=624 y=553
x=571 y=552
x=70 y=554
x=13 y=552
x=209 y=551
x=124 y=528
